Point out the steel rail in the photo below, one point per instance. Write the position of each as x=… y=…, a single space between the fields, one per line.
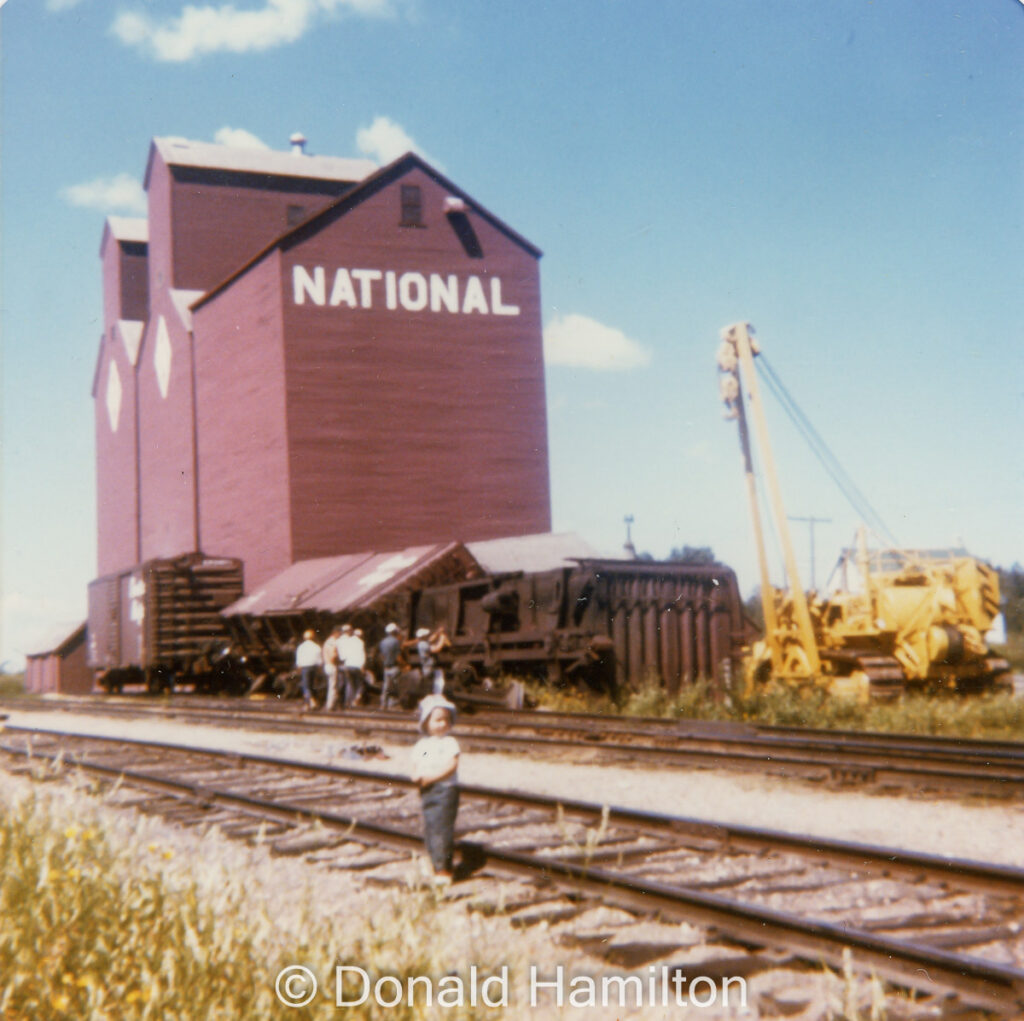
x=820 y=760
x=996 y=986
x=877 y=858
x=664 y=728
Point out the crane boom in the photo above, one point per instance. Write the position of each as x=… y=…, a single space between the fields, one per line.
x=736 y=359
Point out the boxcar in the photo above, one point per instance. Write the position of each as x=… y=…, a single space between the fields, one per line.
x=159 y=622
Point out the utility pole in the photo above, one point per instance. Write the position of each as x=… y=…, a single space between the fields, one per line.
x=628 y=546
x=811 y=522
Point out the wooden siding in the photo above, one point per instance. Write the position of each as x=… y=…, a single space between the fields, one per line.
x=161 y=238
x=243 y=462
x=306 y=431
x=134 y=293
x=125 y=281
x=414 y=427
x=64 y=672
x=220 y=220
x=116 y=491
x=167 y=526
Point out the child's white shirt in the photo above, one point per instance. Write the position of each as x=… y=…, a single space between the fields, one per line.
x=431 y=755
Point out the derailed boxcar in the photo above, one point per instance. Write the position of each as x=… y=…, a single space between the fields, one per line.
x=610 y=623
x=160 y=623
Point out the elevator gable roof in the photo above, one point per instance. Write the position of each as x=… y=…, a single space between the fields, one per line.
x=182 y=152
x=360 y=193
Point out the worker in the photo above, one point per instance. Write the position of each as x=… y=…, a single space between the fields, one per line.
x=352 y=654
x=308 y=658
x=428 y=644
x=332 y=662
x=390 y=649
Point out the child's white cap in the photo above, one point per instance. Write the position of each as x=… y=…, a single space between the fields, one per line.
x=422 y=632
x=429 y=704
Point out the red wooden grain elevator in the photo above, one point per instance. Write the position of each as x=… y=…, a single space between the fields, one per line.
x=330 y=358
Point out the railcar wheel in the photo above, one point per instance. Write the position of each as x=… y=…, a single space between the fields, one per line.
x=159 y=681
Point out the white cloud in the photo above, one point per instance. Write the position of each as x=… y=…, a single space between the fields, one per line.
x=239 y=138
x=384 y=141
x=199 y=31
x=578 y=341
x=122 y=193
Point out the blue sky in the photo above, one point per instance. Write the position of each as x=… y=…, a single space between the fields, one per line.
x=846 y=176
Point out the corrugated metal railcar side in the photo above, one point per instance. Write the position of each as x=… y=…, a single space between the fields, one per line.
x=611 y=623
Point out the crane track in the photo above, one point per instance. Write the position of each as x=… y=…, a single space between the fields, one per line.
x=948 y=765
x=939 y=925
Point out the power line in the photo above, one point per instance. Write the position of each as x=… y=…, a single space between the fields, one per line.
x=819 y=447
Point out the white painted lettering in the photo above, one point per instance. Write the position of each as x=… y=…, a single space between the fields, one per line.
x=315 y=286
x=366 y=277
x=343 y=291
x=474 y=301
x=412 y=292
x=444 y=293
x=496 y=306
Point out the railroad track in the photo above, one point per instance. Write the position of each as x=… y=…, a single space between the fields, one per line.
x=943 y=926
x=948 y=765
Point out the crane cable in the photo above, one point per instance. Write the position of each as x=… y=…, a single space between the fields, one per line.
x=819 y=447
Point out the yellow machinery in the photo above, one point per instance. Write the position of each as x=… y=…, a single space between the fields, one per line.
x=901 y=617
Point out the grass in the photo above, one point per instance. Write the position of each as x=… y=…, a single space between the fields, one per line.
x=994 y=716
x=93 y=931
x=11 y=685
x=1013 y=651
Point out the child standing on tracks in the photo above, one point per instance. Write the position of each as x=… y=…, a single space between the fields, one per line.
x=435 y=764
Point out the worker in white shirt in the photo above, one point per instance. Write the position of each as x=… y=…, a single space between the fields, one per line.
x=308 y=659
x=352 y=655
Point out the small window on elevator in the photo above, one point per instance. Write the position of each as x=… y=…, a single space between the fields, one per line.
x=412 y=206
x=296 y=214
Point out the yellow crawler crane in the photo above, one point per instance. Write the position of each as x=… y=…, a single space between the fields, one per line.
x=901 y=617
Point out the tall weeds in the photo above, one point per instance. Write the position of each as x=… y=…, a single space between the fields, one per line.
x=92 y=931
x=996 y=715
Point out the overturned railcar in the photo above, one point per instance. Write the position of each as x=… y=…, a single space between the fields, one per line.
x=160 y=622
x=609 y=623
